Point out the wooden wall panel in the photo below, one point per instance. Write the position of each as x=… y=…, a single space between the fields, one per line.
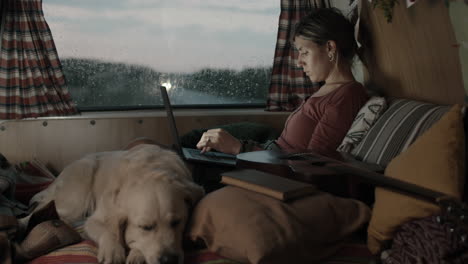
x=415 y=56
x=64 y=140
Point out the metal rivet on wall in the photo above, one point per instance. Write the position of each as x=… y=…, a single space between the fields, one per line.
x=140 y=121
x=92 y=122
x=44 y=123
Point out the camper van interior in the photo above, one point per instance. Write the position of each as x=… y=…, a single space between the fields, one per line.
x=83 y=77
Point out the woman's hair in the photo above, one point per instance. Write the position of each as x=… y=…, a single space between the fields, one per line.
x=324 y=24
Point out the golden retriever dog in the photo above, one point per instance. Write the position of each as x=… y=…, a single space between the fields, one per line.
x=136 y=203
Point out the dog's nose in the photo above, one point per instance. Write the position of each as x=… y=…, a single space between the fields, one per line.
x=169 y=259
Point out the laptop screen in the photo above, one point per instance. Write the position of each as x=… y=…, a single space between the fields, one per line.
x=171 y=119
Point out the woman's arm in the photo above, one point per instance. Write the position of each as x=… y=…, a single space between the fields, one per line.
x=220 y=140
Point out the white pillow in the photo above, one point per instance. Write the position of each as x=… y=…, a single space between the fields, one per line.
x=365 y=118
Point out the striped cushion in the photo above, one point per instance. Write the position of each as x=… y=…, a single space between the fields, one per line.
x=84 y=252
x=396 y=129
x=365 y=118
x=352 y=252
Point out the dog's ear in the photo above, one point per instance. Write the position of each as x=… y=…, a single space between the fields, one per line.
x=122 y=223
x=193 y=192
x=119 y=220
x=115 y=195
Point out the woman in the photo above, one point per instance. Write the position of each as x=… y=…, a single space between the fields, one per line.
x=326 y=46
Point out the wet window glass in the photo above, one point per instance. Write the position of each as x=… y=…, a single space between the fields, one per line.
x=117 y=52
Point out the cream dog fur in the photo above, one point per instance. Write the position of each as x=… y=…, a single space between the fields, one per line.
x=136 y=203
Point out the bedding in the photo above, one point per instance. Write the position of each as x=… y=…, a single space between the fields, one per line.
x=396 y=129
x=363 y=121
x=436 y=160
x=254 y=228
x=85 y=253
x=427 y=240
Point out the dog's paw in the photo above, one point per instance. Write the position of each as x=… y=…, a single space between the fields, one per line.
x=135 y=257
x=110 y=251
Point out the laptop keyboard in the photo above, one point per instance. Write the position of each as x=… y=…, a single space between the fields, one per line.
x=209 y=155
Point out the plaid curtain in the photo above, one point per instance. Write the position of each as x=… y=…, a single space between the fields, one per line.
x=289 y=85
x=32 y=83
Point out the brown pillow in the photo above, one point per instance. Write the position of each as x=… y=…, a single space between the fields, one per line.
x=436 y=160
x=250 y=227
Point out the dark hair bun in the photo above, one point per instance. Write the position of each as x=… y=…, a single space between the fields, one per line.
x=324 y=24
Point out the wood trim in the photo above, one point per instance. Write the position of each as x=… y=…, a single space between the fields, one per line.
x=57 y=142
x=415 y=56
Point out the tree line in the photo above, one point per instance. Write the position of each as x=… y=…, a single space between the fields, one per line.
x=99 y=83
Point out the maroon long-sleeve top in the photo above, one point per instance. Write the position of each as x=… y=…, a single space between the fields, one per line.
x=320 y=123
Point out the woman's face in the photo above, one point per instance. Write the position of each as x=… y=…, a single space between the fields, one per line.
x=313 y=59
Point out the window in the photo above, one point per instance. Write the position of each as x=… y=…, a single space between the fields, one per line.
x=116 y=53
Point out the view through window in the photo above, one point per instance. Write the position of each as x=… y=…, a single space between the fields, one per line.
x=117 y=52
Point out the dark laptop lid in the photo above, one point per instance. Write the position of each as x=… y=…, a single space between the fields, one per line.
x=172 y=122
x=189 y=153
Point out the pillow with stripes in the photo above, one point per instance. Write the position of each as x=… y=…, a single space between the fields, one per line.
x=397 y=128
x=364 y=119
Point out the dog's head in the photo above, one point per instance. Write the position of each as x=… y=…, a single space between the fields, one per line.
x=155 y=209
x=157 y=214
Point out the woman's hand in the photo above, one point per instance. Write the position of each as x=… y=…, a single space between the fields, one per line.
x=220 y=140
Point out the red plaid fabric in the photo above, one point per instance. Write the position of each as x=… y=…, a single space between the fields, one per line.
x=289 y=85
x=32 y=83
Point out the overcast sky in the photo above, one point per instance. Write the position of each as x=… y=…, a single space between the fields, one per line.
x=167 y=35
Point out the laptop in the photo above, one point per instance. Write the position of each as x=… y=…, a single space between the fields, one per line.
x=190 y=154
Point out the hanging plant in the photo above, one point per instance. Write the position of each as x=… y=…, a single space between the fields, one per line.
x=386 y=6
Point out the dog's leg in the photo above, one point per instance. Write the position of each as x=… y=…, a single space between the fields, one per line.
x=39 y=201
x=107 y=233
x=71 y=191
x=135 y=257
x=74 y=195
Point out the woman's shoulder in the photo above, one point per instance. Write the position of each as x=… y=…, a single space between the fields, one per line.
x=344 y=92
x=349 y=92
x=352 y=86
x=351 y=89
